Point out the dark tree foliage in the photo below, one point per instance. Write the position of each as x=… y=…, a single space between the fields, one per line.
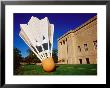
x=17 y=59
x=55 y=55
x=31 y=58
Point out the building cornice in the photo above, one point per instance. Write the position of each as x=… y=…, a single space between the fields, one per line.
x=78 y=28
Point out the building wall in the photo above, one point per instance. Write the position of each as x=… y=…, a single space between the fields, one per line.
x=77 y=45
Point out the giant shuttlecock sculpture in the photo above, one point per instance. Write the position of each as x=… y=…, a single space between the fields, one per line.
x=38 y=35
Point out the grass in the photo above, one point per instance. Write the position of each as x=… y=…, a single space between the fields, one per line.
x=64 y=69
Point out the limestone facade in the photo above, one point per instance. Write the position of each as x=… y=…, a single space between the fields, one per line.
x=79 y=46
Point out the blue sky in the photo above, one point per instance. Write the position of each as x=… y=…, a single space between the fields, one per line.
x=63 y=22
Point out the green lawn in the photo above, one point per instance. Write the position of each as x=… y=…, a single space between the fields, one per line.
x=64 y=69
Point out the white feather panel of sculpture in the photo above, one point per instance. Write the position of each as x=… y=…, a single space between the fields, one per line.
x=38 y=35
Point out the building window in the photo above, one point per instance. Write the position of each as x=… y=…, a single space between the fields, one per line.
x=95 y=44
x=85 y=47
x=79 y=48
x=87 y=60
x=67 y=48
x=63 y=60
x=67 y=61
x=80 y=61
x=63 y=41
x=66 y=39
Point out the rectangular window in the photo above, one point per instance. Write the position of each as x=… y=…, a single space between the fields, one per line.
x=95 y=44
x=79 y=48
x=67 y=61
x=66 y=39
x=85 y=47
x=67 y=48
x=87 y=60
x=61 y=43
x=80 y=61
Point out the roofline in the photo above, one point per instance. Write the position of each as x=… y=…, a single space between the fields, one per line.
x=78 y=28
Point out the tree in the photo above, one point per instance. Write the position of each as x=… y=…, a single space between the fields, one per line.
x=55 y=55
x=17 y=59
x=32 y=58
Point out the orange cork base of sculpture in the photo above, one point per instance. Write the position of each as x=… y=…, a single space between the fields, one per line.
x=48 y=64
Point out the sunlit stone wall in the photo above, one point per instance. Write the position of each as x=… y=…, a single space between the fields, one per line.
x=79 y=46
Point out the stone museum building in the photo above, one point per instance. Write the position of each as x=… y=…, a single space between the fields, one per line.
x=79 y=46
